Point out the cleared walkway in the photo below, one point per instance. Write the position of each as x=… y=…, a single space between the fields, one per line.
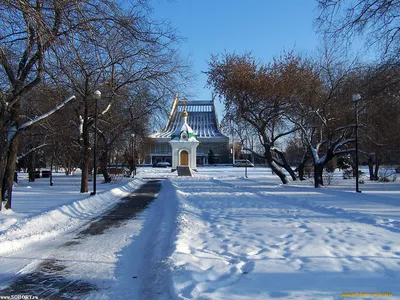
x=48 y=281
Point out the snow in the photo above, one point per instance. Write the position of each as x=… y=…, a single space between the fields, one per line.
x=46 y=115
x=11 y=133
x=216 y=235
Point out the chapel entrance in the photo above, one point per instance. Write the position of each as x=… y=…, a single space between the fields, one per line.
x=184 y=158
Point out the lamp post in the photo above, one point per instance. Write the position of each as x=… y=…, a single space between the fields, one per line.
x=356 y=97
x=96 y=96
x=133 y=155
x=245 y=162
x=233 y=148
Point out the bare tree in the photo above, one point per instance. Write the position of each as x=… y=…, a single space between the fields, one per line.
x=27 y=30
x=259 y=94
x=379 y=115
x=119 y=54
x=378 y=20
x=43 y=137
x=129 y=117
x=116 y=40
x=324 y=113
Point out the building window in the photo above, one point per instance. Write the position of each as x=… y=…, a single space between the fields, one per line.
x=162 y=149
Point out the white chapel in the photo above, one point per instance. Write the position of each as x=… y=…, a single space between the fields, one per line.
x=184 y=144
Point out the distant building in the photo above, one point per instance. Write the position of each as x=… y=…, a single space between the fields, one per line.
x=202 y=119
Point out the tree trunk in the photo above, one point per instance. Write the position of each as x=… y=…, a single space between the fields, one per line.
x=85 y=171
x=286 y=165
x=301 y=167
x=85 y=163
x=274 y=167
x=103 y=160
x=106 y=175
x=4 y=144
x=51 y=168
x=31 y=166
x=376 y=172
x=318 y=171
x=85 y=151
x=371 y=168
x=290 y=171
x=3 y=163
x=10 y=169
x=12 y=151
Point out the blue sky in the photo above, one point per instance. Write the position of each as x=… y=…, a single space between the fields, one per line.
x=264 y=27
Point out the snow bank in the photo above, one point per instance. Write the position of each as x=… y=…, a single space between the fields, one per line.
x=19 y=234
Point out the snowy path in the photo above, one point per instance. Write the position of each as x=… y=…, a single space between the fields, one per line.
x=245 y=239
x=105 y=259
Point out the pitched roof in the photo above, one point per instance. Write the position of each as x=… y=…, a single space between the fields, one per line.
x=202 y=119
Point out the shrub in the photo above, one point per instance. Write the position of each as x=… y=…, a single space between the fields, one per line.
x=387 y=175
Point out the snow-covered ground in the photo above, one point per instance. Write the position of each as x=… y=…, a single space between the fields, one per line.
x=216 y=235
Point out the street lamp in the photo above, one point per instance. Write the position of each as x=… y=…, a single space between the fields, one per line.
x=245 y=161
x=233 y=147
x=356 y=97
x=133 y=155
x=96 y=96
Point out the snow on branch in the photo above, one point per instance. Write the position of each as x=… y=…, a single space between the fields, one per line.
x=314 y=152
x=277 y=150
x=80 y=128
x=45 y=116
x=31 y=150
x=320 y=160
x=106 y=110
x=342 y=143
